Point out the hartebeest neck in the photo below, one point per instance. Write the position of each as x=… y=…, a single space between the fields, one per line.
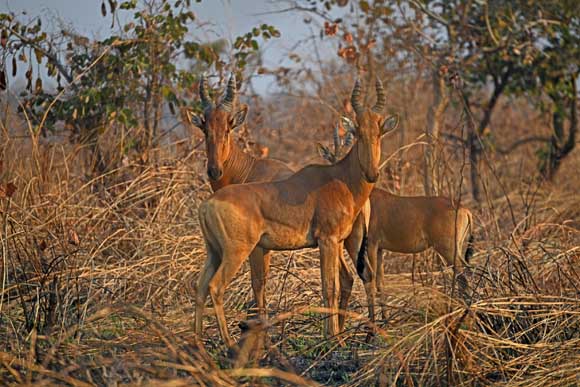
x=236 y=168
x=349 y=170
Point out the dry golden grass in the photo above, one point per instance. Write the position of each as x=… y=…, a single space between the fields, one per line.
x=99 y=276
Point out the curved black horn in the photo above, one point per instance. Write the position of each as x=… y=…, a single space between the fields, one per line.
x=381 y=98
x=336 y=138
x=227 y=103
x=355 y=98
x=203 y=93
x=348 y=137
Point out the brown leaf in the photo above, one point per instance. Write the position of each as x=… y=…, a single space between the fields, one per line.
x=2 y=80
x=73 y=237
x=42 y=246
x=7 y=191
x=4 y=39
x=10 y=189
x=38 y=86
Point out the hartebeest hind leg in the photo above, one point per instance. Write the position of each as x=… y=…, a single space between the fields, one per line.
x=453 y=252
x=370 y=286
x=232 y=260
x=260 y=266
x=329 y=264
x=211 y=265
x=346 y=280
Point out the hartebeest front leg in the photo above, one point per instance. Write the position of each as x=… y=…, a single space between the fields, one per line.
x=330 y=286
x=260 y=266
x=380 y=278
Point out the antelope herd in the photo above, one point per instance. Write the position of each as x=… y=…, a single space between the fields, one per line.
x=261 y=205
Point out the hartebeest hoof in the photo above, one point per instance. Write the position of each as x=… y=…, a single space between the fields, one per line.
x=252 y=343
x=371 y=329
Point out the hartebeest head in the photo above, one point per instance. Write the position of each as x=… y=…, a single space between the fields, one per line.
x=370 y=127
x=217 y=123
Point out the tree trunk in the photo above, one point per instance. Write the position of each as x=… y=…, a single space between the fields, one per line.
x=434 y=122
x=558 y=149
x=474 y=135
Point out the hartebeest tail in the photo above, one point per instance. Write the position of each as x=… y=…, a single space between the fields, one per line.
x=314 y=207
x=363 y=267
x=469 y=251
x=406 y=225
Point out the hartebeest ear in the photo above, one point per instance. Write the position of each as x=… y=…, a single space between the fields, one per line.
x=389 y=124
x=324 y=152
x=348 y=124
x=239 y=117
x=195 y=120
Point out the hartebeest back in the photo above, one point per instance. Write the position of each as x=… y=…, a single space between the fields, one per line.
x=228 y=164
x=314 y=207
x=404 y=224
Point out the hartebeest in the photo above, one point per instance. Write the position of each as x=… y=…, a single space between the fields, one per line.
x=314 y=207
x=403 y=224
x=228 y=164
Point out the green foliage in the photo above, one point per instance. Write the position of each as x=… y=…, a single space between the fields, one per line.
x=125 y=81
x=521 y=47
x=248 y=43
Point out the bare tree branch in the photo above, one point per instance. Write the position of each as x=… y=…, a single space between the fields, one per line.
x=510 y=148
x=50 y=56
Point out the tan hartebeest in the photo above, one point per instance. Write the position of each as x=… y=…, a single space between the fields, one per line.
x=403 y=224
x=314 y=207
x=228 y=164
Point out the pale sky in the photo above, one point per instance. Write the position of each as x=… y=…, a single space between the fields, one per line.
x=226 y=18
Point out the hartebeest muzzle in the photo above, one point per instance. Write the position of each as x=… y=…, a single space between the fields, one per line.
x=373 y=178
x=214 y=173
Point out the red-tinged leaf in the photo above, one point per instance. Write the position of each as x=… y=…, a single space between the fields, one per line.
x=348 y=37
x=4 y=39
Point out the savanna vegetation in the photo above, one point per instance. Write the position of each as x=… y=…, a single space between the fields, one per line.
x=101 y=175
